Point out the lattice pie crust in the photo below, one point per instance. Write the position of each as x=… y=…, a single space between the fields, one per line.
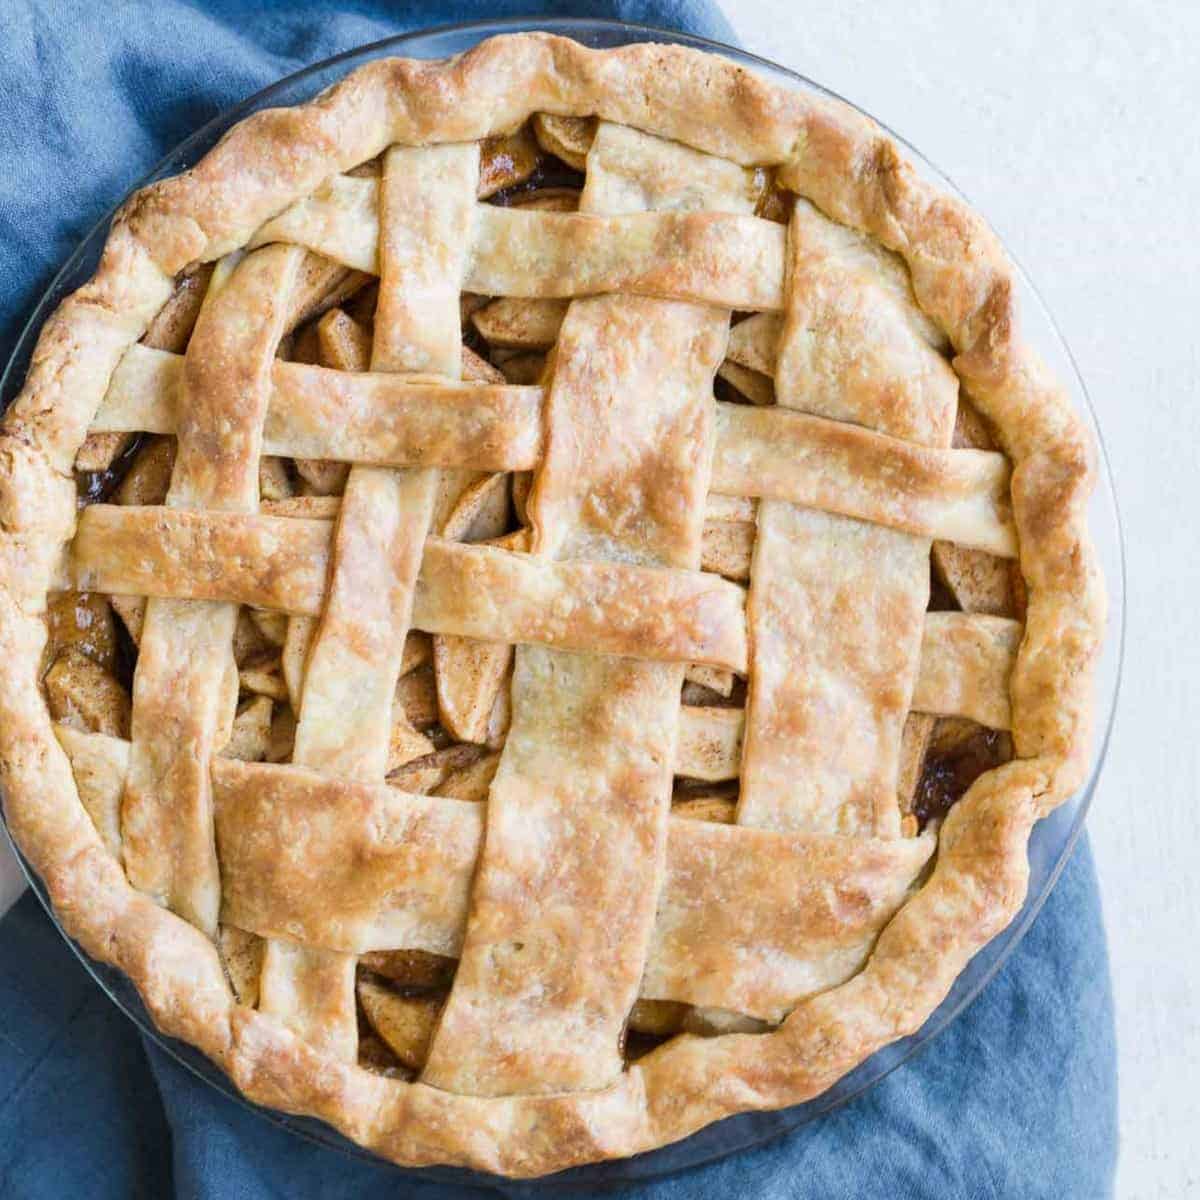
x=529 y=753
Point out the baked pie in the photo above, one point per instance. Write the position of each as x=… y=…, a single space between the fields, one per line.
x=541 y=596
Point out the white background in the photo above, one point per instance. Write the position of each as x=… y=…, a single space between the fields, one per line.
x=1075 y=127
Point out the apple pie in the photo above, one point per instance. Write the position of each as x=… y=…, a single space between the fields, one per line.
x=541 y=597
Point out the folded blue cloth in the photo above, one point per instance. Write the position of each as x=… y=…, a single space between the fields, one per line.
x=1015 y=1099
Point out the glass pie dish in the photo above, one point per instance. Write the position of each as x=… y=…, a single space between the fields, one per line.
x=1053 y=839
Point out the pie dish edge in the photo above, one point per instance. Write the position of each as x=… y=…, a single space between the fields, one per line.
x=853 y=173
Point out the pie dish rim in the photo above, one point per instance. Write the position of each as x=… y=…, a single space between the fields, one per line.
x=525 y=1166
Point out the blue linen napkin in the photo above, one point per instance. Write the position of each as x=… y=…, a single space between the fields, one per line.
x=1016 y=1099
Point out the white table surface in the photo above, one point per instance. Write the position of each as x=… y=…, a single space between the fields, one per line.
x=1074 y=127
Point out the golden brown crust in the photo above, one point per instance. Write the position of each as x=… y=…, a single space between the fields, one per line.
x=473 y=591
x=346 y=416
x=960 y=494
x=354 y=661
x=964 y=668
x=535 y=1008
x=748 y=920
x=708 y=257
x=834 y=617
x=843 y=468
x=345 y=723
x=966 y=661
x=828 y=898
x=271 y=562
x=851 y=172
x=854 y=345
x=182 y=695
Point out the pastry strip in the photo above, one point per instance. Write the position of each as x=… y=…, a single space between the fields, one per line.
x=966 y=661
x=282 y=563
x=427 y=211
x=750 y=897
x=957 y=495
x=577 y=812
x=186 y=652
x=705 y=257
x=582 y=770
x=836 y=607
x=380 y=419
x=709 y=257
x=819 y=902
x=345 y=719
x=398 y=875
x=472 y=590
